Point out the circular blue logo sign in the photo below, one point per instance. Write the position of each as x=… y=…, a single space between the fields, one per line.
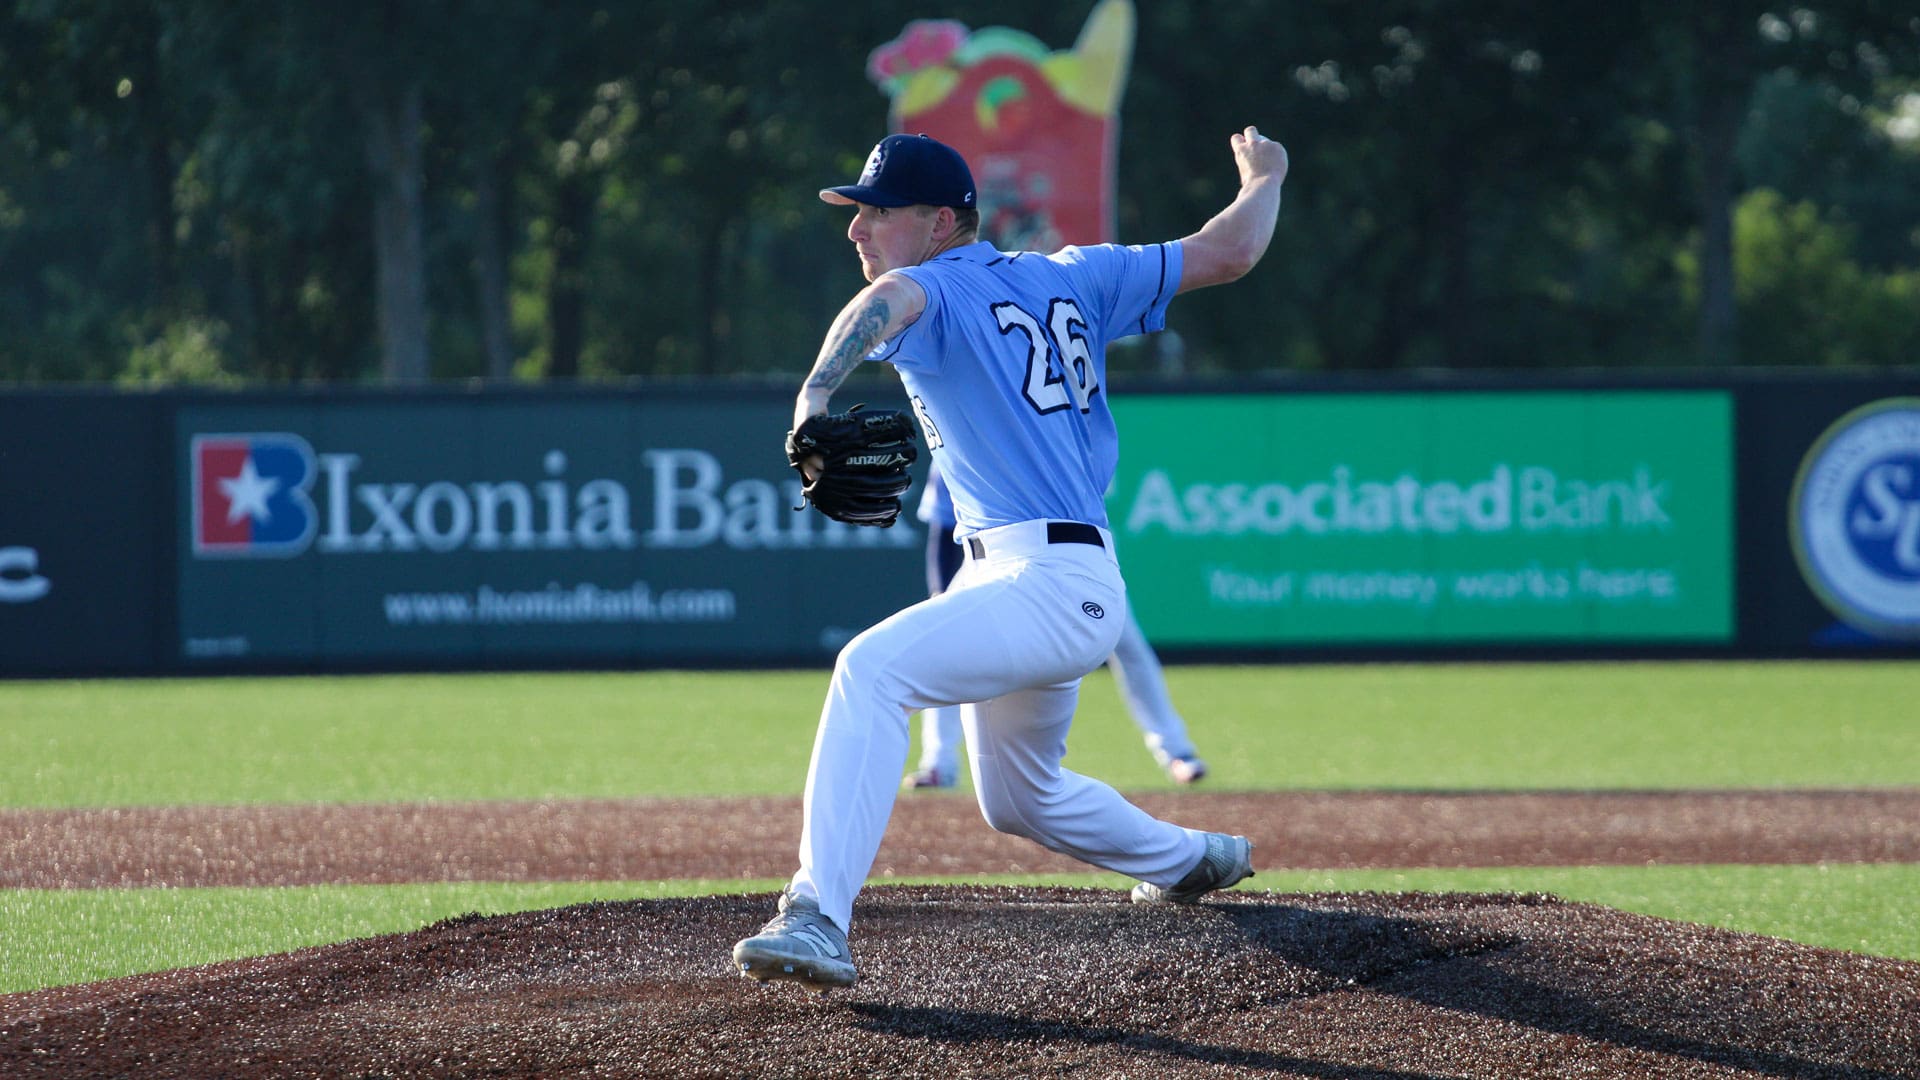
x=1094 y=610
x=1855 y=517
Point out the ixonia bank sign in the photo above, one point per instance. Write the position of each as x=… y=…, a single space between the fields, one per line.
x=270 y=495
x=447 y=530
x=1855 y=518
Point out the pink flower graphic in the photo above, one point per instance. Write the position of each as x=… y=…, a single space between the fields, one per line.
x=923 y=44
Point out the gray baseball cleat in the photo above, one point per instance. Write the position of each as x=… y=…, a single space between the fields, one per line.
x=1228 y=859
x=798 y=945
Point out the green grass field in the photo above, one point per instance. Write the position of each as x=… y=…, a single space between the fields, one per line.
x=407 y=738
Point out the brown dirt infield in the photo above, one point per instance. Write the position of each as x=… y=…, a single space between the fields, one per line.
x=967 y=981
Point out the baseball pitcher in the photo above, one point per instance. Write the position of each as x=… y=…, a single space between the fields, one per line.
x=1002 y=355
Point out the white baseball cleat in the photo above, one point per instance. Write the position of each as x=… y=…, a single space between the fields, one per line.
x=1188 y=769
x=935 y=777
x=798 y=945
x=1228 y=859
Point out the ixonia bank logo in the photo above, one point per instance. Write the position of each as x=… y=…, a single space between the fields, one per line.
x=1855 y=518
x=250 y=494
x=272 y=495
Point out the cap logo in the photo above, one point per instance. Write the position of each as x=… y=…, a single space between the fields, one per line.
x=874 y=161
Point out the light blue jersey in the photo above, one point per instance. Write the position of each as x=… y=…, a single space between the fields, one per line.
x=1006 y=370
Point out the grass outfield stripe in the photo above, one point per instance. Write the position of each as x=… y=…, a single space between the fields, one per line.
x=55 y=937
x=408 y=738
x=1858 y=907
x=51 y=937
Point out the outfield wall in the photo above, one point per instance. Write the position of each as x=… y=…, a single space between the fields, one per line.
x=182 y=532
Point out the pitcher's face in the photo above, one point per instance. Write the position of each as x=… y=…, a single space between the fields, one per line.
x=889 y=237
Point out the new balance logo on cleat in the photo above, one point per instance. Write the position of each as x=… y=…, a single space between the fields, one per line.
x=815 y=938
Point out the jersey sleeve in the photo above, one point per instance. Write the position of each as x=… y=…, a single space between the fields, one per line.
x=918 y=345
x=1136 y=282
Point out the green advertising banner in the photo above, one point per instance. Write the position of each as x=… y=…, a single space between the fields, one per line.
x=1428 y=518
x=451 y=531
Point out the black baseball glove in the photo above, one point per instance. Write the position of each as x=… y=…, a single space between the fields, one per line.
x=863 y=459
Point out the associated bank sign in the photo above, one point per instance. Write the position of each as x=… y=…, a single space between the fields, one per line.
x=1529 y=498
x=1561 y=516
x=1855 y=518
x=271 y=495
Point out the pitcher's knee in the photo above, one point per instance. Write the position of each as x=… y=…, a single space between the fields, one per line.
x=860 y=664
x=855 y=657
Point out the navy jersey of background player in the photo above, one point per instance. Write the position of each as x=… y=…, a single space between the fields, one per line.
x=1012 y=404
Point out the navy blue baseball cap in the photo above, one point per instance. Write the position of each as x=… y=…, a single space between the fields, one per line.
x=909 y=170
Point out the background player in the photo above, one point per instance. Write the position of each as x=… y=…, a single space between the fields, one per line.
x=1003 y=359
x=1143 y=684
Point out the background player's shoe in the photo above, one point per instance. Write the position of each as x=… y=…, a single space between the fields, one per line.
x=929 y=778
x=798 y=945
x=1228 y=859
x=1186 y=770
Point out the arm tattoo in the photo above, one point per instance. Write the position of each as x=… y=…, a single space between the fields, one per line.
x=853 y=336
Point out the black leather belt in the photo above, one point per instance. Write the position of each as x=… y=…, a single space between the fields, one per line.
x=1058 y=532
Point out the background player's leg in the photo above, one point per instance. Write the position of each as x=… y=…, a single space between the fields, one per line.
x=944 y=557
x=940 y=736
x=939 y=727
x=1143 y=688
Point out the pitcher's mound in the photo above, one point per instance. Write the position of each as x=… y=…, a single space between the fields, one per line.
x=1011 y=982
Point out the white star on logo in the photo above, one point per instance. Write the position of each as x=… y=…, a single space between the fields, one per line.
x=247 y=494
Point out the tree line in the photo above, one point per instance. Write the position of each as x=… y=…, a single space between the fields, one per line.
x=199 y=191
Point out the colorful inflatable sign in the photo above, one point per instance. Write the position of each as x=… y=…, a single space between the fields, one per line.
x=1039 y=128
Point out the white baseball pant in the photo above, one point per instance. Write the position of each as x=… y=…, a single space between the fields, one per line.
x=1023 y=621
x=1143 y=688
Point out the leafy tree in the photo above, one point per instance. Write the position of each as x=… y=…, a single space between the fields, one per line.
x=1813 y=142
x=274 y=191
x=1714 y=58
x=88 y=143
x=1429 y=146
x=1803 y=298
x=192 y=190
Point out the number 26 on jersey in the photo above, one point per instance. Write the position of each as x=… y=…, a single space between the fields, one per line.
x=1052 y=386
